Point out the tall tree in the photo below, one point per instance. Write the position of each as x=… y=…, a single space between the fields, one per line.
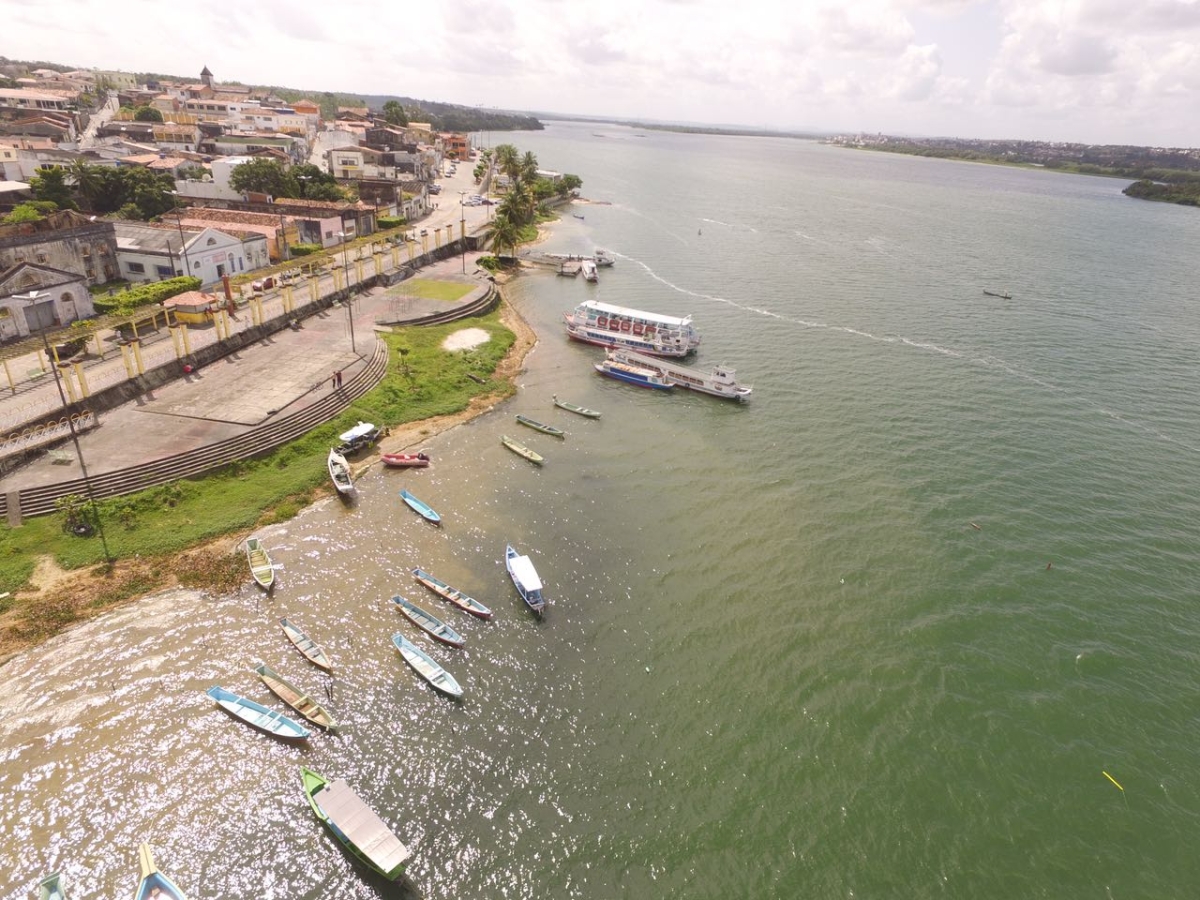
x=263 y=176
x=505 y=234
x=147 y=114
x=87 y=181
x=529 y=166
x=51 y=185
x=506 y=157
x=393 y=113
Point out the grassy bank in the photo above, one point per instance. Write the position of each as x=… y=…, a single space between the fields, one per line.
x=423 y=381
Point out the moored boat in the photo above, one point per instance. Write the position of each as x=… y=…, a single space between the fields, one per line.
x=421 y=507
x=405 y=460
x=268 y=721
x=295 y=698
x=427 y=667
x=720 y=382
x=312 y=652
x=1003 y=295
x=339 y=472
x=538 y=426
x=452 y=595
x=260 y=563
x=588 y=267
x=525 y=577
x=154 y=885
x=606 y=325
x=521 y=450
x=50 y=888
x=360 y=437
x=356 y=826
x=638 y=375
x=575 y=408
x=429 y=623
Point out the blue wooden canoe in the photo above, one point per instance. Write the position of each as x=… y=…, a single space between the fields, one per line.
x=425 y=666
x=429 y=623
x=420 y=506
x=256 y=715
x=154 y=884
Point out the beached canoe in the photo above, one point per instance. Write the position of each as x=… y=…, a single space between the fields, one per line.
x=525 y=577
x=452 y=595
x=538 y=426
x=429 y=623
x=405 y=460
x=260 y=563
x=154 y=884
x=339 y=472
x=425 y=666
x=355 y=825
x=575 y=408
x=50 y=888
x=295 y=698
x=521 y=450
x=421 y=507
x=257 y=716
x=312 y=652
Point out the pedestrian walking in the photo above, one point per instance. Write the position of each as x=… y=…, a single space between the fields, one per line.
x=338 y=377
x=333 y=382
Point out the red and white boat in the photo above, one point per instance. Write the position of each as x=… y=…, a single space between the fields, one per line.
x=619 y=327
x=405 y=460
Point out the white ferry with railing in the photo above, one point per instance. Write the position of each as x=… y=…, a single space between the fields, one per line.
x=619 y=327
x=720 y=382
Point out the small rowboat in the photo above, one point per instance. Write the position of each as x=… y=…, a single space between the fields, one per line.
x=404 y=460
x=525 y=577
x=429 y=623
x=423 y=664
x=258 y=716
x=295 y=698
x=453 y=595
x=538 y=426
x=311 y=651
x=521 y=450
x=339 y=471
x=575 y=408
x=260 y=564
x=356 y=826
x=423 y=508
x=51 y=888
x=154 y=884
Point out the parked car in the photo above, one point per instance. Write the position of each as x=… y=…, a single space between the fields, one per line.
x=264 y=284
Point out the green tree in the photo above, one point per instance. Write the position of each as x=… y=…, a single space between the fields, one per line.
x=313 y=183
x=529 y=167
x=23 y=212
x=263 y=176
x=507 y=159
x=147 y=114
x=569 y=183
x=505 y=234
x=110 y=189
x=87 y=179
x=519 y=204
x=393 y=113
x=149 y=191
x=51 y=184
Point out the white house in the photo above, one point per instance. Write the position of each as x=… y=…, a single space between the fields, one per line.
x=33 y=297
x=218 y=188
x=154 y=252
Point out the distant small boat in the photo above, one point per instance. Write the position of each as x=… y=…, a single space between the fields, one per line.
x=256 y=715
x=429 y=623
x=313 y=653
x=421 y=507
x=638 y=375
x=51 y=888
x=538 y=426
x=577 y=215
x=525 y=577
x=339 y=471
x=452 y=595
x=295 y=698
x=1003 y=296
x=521 y=450
x=405 y=460
x=425 y=666
x=355 y=825
x=154 y=884
x=260 y=564
x=575 y=408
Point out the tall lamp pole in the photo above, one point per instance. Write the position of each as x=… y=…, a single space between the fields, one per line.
x=462 y=228
x=187 y=266
x=349 y=303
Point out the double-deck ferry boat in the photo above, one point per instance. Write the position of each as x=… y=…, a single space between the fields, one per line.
x=638 y=375
x=619 y=327
x=720 y=382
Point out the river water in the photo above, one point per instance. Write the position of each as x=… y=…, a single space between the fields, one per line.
x=879 y=632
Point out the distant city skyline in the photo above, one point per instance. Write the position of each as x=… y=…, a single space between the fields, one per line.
x=1083 y=71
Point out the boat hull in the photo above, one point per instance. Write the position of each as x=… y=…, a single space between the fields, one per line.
x=302 y=642
x=154 y=885
x=259 y=561
x=301 y=702
x=525 y=579
x=429 y=623
x=405 y=460
x=576 y=408
x=259 y=717
x=452 y=595
x=314 y=785
x=539 y=426
x=599 y=338
x=719 y=382
x=339 y=473
x=428 y=668
x=521 y=450
x=423 y=509
x=641 y=379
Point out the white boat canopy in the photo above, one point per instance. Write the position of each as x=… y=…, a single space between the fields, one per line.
x=523 y=568
x=362 y=429
x=609 y=309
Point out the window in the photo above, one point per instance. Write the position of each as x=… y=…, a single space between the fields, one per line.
x=137 y=268
x=42 y=257
x=164 y=271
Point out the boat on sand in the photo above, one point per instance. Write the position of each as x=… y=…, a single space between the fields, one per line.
x=405 y=460
x=339 y=472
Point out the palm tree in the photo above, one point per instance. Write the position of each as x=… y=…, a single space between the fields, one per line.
x=88 y=180
x=529 y=167
x=506 y=157
x=505 y=233
x=518 y=204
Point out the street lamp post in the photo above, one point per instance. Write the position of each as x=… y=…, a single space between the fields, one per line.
x=462 y=228
x=349 y=304
x=187 y=266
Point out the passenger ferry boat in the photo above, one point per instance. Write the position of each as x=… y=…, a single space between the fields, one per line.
x=633 y=374
x=606 y=325
x=720 y=382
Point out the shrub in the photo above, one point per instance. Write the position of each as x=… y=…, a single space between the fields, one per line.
x=145 y=295
x=386 y=222
x=305 y=249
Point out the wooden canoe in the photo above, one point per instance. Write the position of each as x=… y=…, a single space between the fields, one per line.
x=295 y=698
x=429 y=623
x=257 y=716
x=339 y=472
x=313 y=653
x=452 y=595
x=521 y=450
x=419 y=506
x=50 y=888
x=154 y=884
x=356 y=826
x=575 y=408
x=425 y=666
x=538 y=426
x=260 y=563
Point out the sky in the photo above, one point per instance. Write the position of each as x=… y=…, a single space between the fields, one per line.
x=1087 y=71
